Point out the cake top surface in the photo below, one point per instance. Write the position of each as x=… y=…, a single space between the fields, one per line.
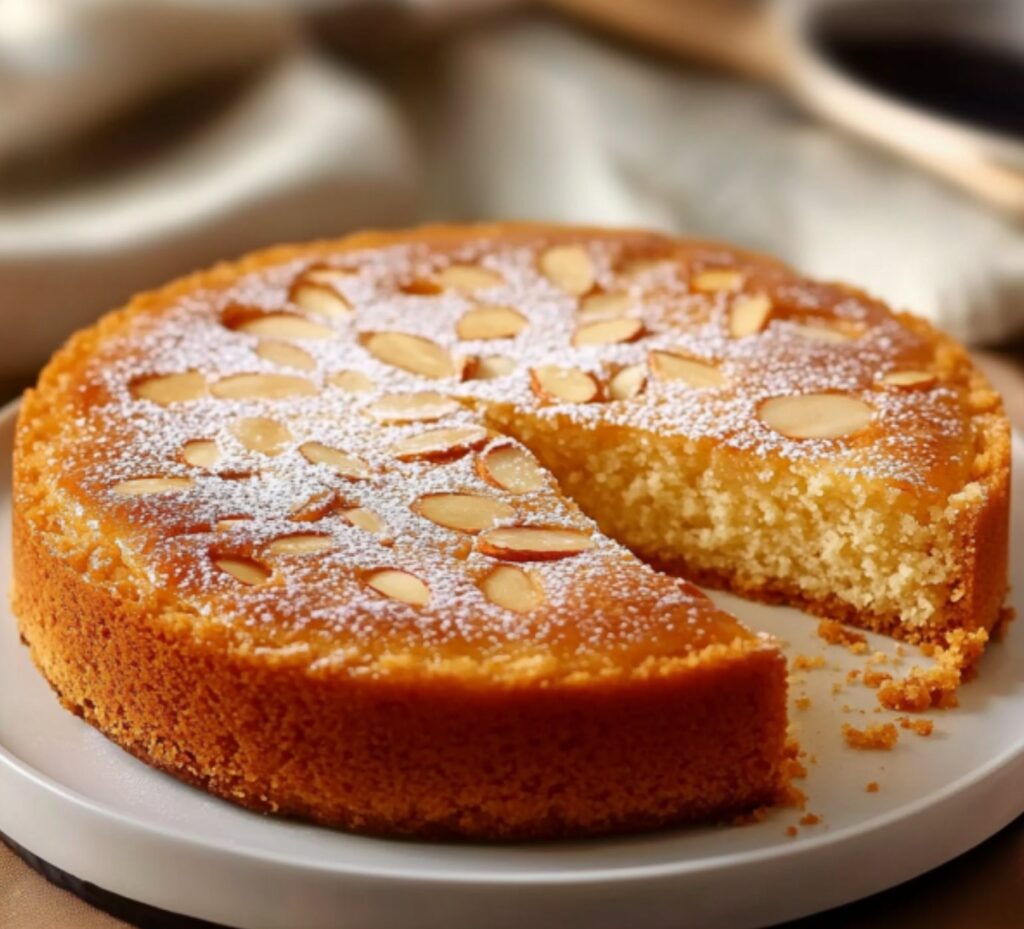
x=302 y=443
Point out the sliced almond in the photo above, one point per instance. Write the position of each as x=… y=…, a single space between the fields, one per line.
x=513 y=589
x=628 y=383
x=816 y=416
x=468 y=278
x=822 y=332
x=533 y=543
x=613 y=303
x=490 y=322
x=170 y=388
x=412 y=408
x=303 y=543
x=316 y=507
x=230 y=522
x=569 y=268
x=262 y=386
x=326 y=277
x=910 y=379
x=439 y=444
x=247 y=570
x=353 y=382
x=144 y=486
x=512 y=468
x=716 y=280
x=699 y=374
x=400 y=585
x=285 y=326
x=748 y=314
x=488 y=367
x=200 y=453
x=608 y=332
x=411 y=353
x=261 y=434
x=633 y=268
x=324 y=301
x=338 y=461
x=570 y=385
x=283 y=353
x=421 y=287
x=465 y=512
x=363 y=518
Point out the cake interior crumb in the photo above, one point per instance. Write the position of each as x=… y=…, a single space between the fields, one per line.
x=808 y=662
x=874 y=679
x=875 y=737
x=923 y=727
x=835 y=633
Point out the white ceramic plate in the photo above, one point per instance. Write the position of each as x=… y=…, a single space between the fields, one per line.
x=82 y=804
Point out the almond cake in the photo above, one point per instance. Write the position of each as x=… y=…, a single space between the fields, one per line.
x=391 y=533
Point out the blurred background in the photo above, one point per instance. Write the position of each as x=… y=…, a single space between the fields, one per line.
x=880 y=141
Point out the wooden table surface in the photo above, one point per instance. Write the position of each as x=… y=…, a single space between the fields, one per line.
x=983 y=888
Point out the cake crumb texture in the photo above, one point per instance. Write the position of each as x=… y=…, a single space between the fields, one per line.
x=923 y=727
x=875 y=737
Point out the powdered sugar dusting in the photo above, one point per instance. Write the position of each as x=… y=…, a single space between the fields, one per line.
x=600 y=600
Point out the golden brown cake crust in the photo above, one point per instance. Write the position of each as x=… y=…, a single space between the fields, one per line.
x=631 y=703
x=428 y=760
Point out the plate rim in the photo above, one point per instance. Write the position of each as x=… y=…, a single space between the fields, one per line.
x=975 y=780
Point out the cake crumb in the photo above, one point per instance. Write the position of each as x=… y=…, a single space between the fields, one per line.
x=835 y=633
x=751 y=818
x=876 y=737
x=923 y=727
x=793 y=767
x=794 y=797
x=837 y=688
x=921 y=690
x=872 y=787
x=803 y=702
x=810 y=819
x=808 y=662
x=851 y=676
x=962 y=651
x=874 y=679
x=792 y=831
x=797 y=769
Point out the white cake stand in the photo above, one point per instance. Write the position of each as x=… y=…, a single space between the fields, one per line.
x=81 y=804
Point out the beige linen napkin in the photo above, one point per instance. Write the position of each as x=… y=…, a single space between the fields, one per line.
x=544 y=121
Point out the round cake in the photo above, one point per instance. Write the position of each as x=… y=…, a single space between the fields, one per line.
x=396 y=533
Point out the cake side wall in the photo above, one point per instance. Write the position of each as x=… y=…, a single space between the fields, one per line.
x=427 y=760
